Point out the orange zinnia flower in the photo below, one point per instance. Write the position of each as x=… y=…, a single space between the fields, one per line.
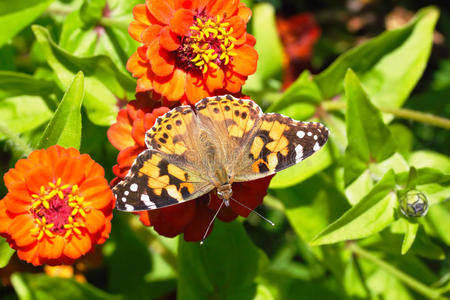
x=192 y=49
x=190 y=218
x=58 y=206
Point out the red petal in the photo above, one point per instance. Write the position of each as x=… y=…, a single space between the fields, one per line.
x=77 y=246
x=168 y=40
x=19 y=230
x=140 y=13
x=215 y=80
x=161 y=10
x=161 y=61
x=95 y=221
x=37 y=178
x=223 y=8
x=195 y=88
x=96 y=192
x=245 y=61
x=181 y=21
x=196 y=229
x=173 y=87
x=151 y=33
x=135 y=30
x=70 y=170
x=170 y=221
x=238 y=25
x=234 y=82
x=119 y=134
x=52 y=248
x=244 y=12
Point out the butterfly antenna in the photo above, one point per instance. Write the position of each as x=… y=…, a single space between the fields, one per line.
x=210 y=223
x=254 y=211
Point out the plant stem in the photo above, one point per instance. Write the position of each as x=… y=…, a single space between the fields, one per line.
x=405 y=278
x=402 y=113
x=16 y=142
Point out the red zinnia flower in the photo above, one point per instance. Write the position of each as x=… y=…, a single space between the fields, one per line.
x=191 y=217
x=58 y=206
x=298 y=34
x=192 y=49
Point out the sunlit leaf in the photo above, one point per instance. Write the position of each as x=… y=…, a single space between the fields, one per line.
x=64 y=128
x=369 y=139
x=105 y=84
x=389 y=65
x=40 y=286
x=5 y=252
x=370 y=215
x=15 y=15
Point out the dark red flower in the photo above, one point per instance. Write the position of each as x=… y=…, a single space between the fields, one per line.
x=298 y=34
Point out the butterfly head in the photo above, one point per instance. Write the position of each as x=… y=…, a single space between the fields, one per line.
x=225 y=192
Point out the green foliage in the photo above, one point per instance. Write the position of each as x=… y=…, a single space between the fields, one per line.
x=389 y=65
x=340 y=232
x=203 y=273
x=104 y=83
x=64 y=128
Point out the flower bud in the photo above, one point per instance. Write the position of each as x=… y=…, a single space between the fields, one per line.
x=414 y=204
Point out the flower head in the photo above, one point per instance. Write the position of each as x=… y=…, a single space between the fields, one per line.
x=58 y=206
x=190 y=218
x=191 y=49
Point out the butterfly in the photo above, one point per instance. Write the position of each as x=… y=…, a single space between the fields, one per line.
x=192 y=151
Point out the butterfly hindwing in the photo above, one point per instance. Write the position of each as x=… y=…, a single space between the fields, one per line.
x=157 y=180
x=277 y=144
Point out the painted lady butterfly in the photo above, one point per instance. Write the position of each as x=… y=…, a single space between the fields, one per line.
x=223 y=140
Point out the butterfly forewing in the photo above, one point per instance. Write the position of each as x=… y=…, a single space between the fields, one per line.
x=277 y=144
x=157 y=180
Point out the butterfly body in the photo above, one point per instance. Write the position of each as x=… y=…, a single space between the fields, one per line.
x=223 y=140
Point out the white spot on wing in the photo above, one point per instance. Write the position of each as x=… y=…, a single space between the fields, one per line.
x=124 y=199
x=315 y=137
x=134 y=187
x=300 y=134
x=146 y=199
x=316 y=146
x=129 y=207
x=298 y=153
x=309 y=133
x=126 y=193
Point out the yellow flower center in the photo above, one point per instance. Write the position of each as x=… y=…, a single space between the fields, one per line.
x=211 y=44
x=56 y=210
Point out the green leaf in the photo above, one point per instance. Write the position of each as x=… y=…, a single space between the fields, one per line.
x=108 y=36
x=369 y=139
x=437 y=222
x=312 y=205
x=304 y=89
x=64 y=128
x=5 y=252
x=369 y=216
x=23 y=113
x=427 y=158
x=389 y=65
x=129 y=262
x=91 y=11
x=104 y=82
x=226 y=265
x=40 y=286
x=269 y=46
x=409 y=229
x=16 y=15
x=302 y=171
x=16 y=84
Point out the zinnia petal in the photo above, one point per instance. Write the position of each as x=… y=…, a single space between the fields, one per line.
x=182 y=21
x=161 y=10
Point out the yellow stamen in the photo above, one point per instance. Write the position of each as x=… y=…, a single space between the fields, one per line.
x=203 y=34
